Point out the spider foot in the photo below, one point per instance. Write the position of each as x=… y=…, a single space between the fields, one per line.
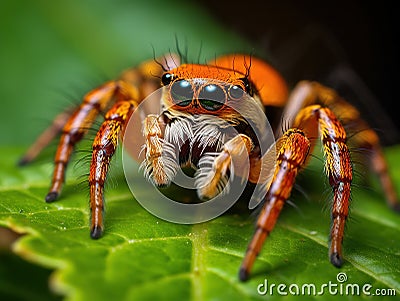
x=243 y=274
x=96 y=232
x=23 y=161
x=336 y=259
x=396 y=207
x=51 y=197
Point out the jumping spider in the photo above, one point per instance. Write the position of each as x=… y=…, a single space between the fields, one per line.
x=309 y=111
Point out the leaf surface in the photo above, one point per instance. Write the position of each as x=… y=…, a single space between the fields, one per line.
x=143 y=257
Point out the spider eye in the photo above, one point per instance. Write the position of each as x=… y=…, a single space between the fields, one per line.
x=235 y=92
x=182 y=93
x=212 y=97
x=248 y=86
x=166 y=78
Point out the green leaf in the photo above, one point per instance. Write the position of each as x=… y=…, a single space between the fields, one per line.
x=144 y=258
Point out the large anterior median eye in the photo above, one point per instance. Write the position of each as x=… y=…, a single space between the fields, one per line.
x=212 y=97
x=182 y=93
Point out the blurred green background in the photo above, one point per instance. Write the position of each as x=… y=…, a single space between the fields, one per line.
x=52 y=52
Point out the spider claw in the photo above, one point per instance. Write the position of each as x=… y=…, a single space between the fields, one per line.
x=396 y=207
x=51 y=197
x=243 y=275
x=23 y=161
x=336 y=259
x=96 y=232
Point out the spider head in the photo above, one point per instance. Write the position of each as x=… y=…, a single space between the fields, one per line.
x=202 y=89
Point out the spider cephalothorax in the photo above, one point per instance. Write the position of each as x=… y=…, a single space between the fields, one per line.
x=197 y=107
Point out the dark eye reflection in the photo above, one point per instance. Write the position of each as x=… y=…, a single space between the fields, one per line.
x=212 y=97
x=236 y=92
x=182 y=93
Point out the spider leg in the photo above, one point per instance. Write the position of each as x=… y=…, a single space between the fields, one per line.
x=368 y=140
x=133 y=82
x=293 y=149
x=209 y=186
x=160 y=164
x=75 y=128
x=308 y=93
x=338 y=168
x=104 y=147
x=380 y=167
x=46 y=137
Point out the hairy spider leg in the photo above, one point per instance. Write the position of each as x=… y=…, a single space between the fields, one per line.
x=292 y=154
x=380 y=167
x=74 y=130
x=134 y=86
x=365 y=138
x=338 y=167
x=222 y=162
x=104 y=147
x=293 y=148
x=121 y=96
x=156 y=168
x=76 y=124
x=46 y=137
